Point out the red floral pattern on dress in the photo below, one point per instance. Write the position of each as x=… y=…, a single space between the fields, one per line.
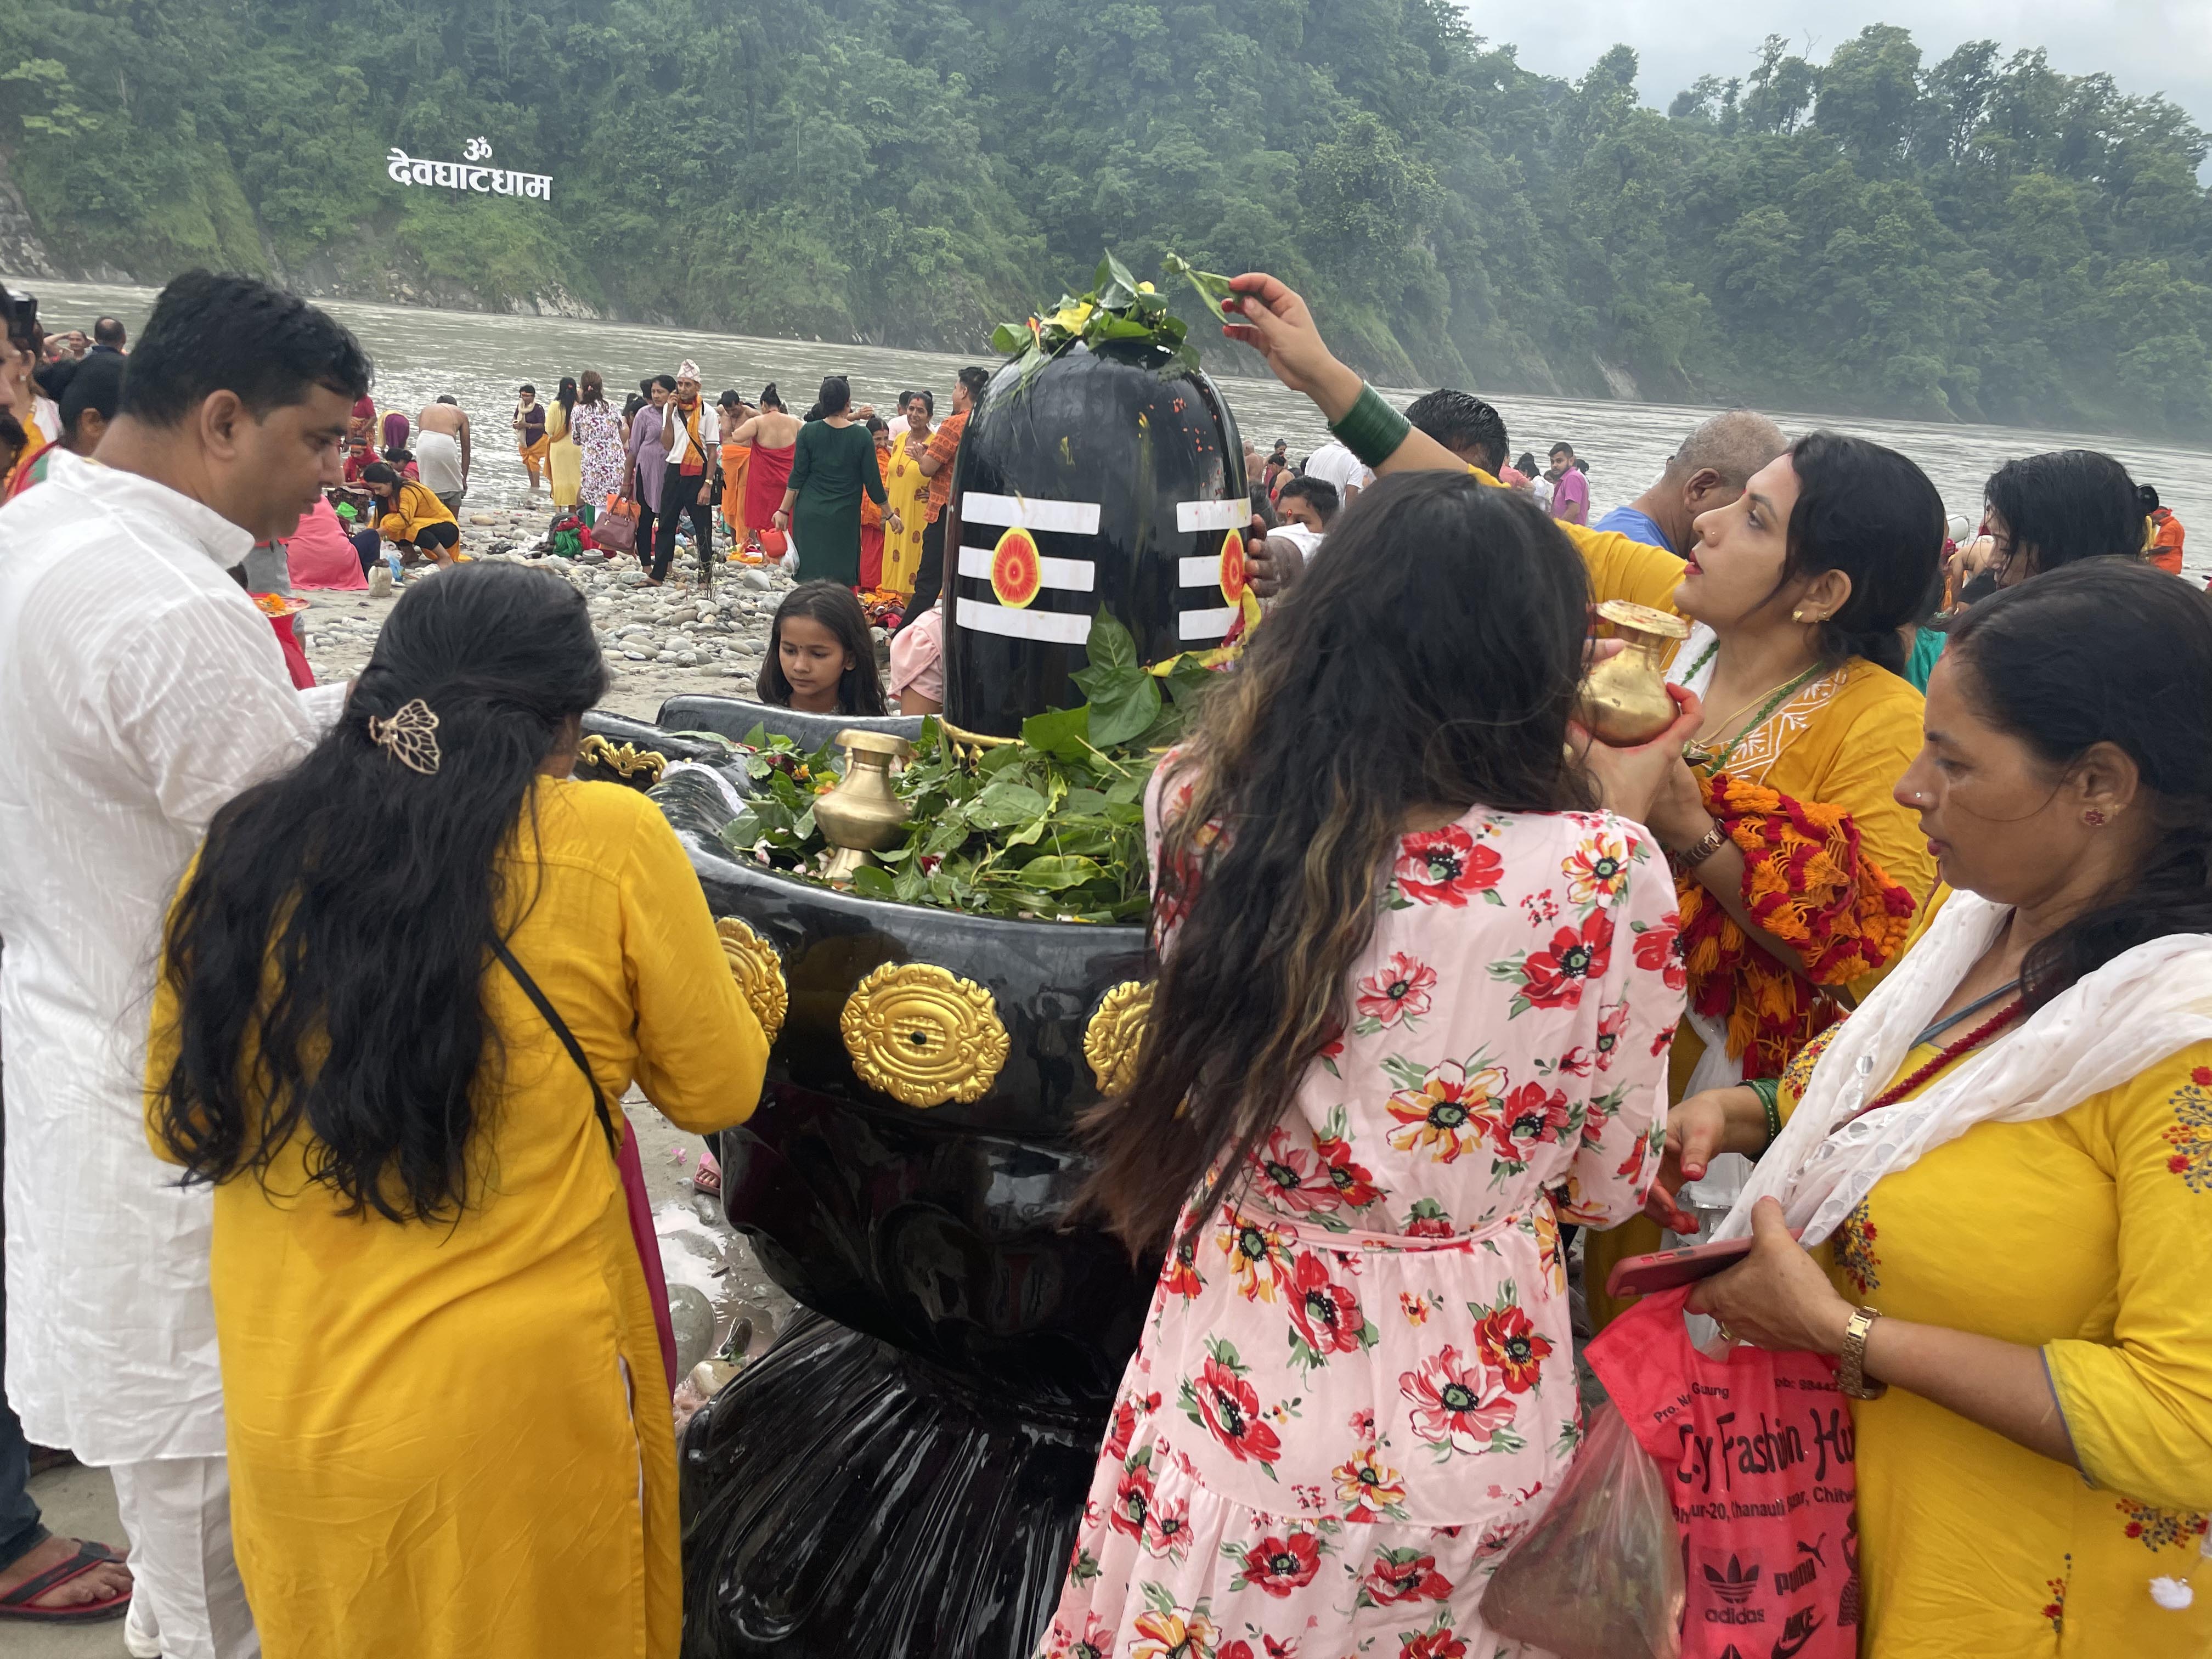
x=1381 y=1298
x=1445 y=867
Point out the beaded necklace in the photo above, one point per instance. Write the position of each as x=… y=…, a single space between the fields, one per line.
x=1973 y=1039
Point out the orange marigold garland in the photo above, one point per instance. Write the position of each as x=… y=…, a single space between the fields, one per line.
x=1807 y=882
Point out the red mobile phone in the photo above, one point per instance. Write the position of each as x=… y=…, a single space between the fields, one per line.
x=1665 y=1270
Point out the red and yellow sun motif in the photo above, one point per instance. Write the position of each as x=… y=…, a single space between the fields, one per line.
x=1016 y=572
x=1232 y=566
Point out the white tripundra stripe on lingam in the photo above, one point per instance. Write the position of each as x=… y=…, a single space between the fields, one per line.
x=1204 y=624
x=1211 y=515
x=1055 y=627
x=1030 y=512
x=1200 y=570
x=1076 y=575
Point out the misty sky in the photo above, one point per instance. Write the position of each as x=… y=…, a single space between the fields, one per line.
x=2146 y=46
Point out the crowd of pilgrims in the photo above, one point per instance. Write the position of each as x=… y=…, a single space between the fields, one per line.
x=316 y=1243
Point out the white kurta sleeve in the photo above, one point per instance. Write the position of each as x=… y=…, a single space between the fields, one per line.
x=200 y=699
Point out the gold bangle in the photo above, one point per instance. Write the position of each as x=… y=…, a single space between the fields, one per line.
x=1851 y=1376
x=1703 y=848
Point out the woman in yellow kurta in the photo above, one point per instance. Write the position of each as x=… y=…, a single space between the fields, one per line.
x=564 y=459
x=448 y=1416
x=906 y=493
x=2004 y=1158
x=1801 y=875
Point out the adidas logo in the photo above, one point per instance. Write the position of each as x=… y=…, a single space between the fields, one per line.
x=1737 y=1585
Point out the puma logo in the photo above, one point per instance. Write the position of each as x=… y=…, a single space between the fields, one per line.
x=1812 y=1549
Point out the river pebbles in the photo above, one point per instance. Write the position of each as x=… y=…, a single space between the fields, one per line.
x=657 y=642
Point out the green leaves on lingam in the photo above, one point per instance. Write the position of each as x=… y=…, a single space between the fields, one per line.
x=1116 y=308
x=1051 y=827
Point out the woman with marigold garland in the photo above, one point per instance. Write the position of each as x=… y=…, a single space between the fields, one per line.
x=1800 y=877
x=1413 y=1007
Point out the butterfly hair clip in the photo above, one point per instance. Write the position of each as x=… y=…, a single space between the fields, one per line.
x=410 y=737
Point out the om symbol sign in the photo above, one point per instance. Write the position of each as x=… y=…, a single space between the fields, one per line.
x=476 y=150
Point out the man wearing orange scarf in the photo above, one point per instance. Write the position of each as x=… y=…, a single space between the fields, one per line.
x=692 y=431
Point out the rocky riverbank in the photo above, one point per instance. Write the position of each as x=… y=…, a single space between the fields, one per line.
x=657 y=641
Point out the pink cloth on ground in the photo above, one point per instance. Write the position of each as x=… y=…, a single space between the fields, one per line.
x=319 y=553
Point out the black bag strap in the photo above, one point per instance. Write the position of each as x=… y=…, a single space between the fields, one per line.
x=568 y=1038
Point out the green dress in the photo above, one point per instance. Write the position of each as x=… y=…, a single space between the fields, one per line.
x=834 y=465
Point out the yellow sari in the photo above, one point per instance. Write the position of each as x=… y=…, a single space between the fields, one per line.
x=906 y=493
x=736 y=458
x=2088 y=1235
x=1841 y=741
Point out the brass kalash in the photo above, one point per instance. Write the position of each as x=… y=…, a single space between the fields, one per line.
x=862 y=815
x=1624 y=699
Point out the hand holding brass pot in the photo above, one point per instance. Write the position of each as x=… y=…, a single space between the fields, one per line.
x=862 y=815
x=1624 y=699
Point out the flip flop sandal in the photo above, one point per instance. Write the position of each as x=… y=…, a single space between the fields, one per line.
x=16 y=1604
x=707 y=1178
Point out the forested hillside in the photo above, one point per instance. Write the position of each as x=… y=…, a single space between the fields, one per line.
x=1977 y=236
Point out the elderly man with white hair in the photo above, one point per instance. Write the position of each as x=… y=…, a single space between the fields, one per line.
x=1708 y=471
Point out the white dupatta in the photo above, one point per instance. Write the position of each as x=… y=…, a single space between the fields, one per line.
x=2138 y=1008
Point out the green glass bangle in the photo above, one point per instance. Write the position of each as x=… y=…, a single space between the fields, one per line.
x=1768 y=1090
x=1371 y=429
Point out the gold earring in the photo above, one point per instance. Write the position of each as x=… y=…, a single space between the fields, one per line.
x=1797 y=616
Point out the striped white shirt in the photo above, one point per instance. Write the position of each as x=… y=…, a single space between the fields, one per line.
x=140 y=689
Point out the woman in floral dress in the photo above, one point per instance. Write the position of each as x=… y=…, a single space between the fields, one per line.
x=1414 y=1011
x=596 y=429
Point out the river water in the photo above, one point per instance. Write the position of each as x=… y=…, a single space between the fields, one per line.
x=480 y=358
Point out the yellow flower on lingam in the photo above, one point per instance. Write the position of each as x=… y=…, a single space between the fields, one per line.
x=1072 y=317
x=1144 y=288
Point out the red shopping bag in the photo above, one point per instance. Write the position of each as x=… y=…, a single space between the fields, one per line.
x=1760 y=1457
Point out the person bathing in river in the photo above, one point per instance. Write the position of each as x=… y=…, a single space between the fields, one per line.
x=1708 y=471
x=771 y=439
x=529 y=425
x=821 y=659
x=1798 y=591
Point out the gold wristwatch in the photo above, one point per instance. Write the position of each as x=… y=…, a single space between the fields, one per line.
x=1851 y=1378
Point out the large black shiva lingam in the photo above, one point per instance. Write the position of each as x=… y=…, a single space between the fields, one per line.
x=902 y=1474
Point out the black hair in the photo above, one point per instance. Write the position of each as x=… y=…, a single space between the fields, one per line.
x=927 y=399
x=1319 y=492
x=108 y=331
x=380 y=472
x=97 y=385
x=2065 y=505
x=1562 y=445
x=448 y=397
x=566 y=397
x=526 y=386
x=591 y=388
x=877 y=423
x=770 y=399
x=647 y=384
x=730 y=399
x=1315 y=749
x=1871 y=513
x=977 y=381
x=210 y=334
x=295 y=1018
x=832 y=604
x=398 y=455
x=665 y=382
x=836 y=395
x=2147 y=499
x=13 y=438
x=2143 y=641
x=632 y=404
x=1460 y=421
x=1527 y=465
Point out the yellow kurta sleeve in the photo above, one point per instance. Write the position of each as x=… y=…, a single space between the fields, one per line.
x=2138 y=1402
x=1619 y=569
x=700 y=1055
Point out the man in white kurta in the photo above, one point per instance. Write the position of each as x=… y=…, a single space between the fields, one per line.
x=142 y=691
